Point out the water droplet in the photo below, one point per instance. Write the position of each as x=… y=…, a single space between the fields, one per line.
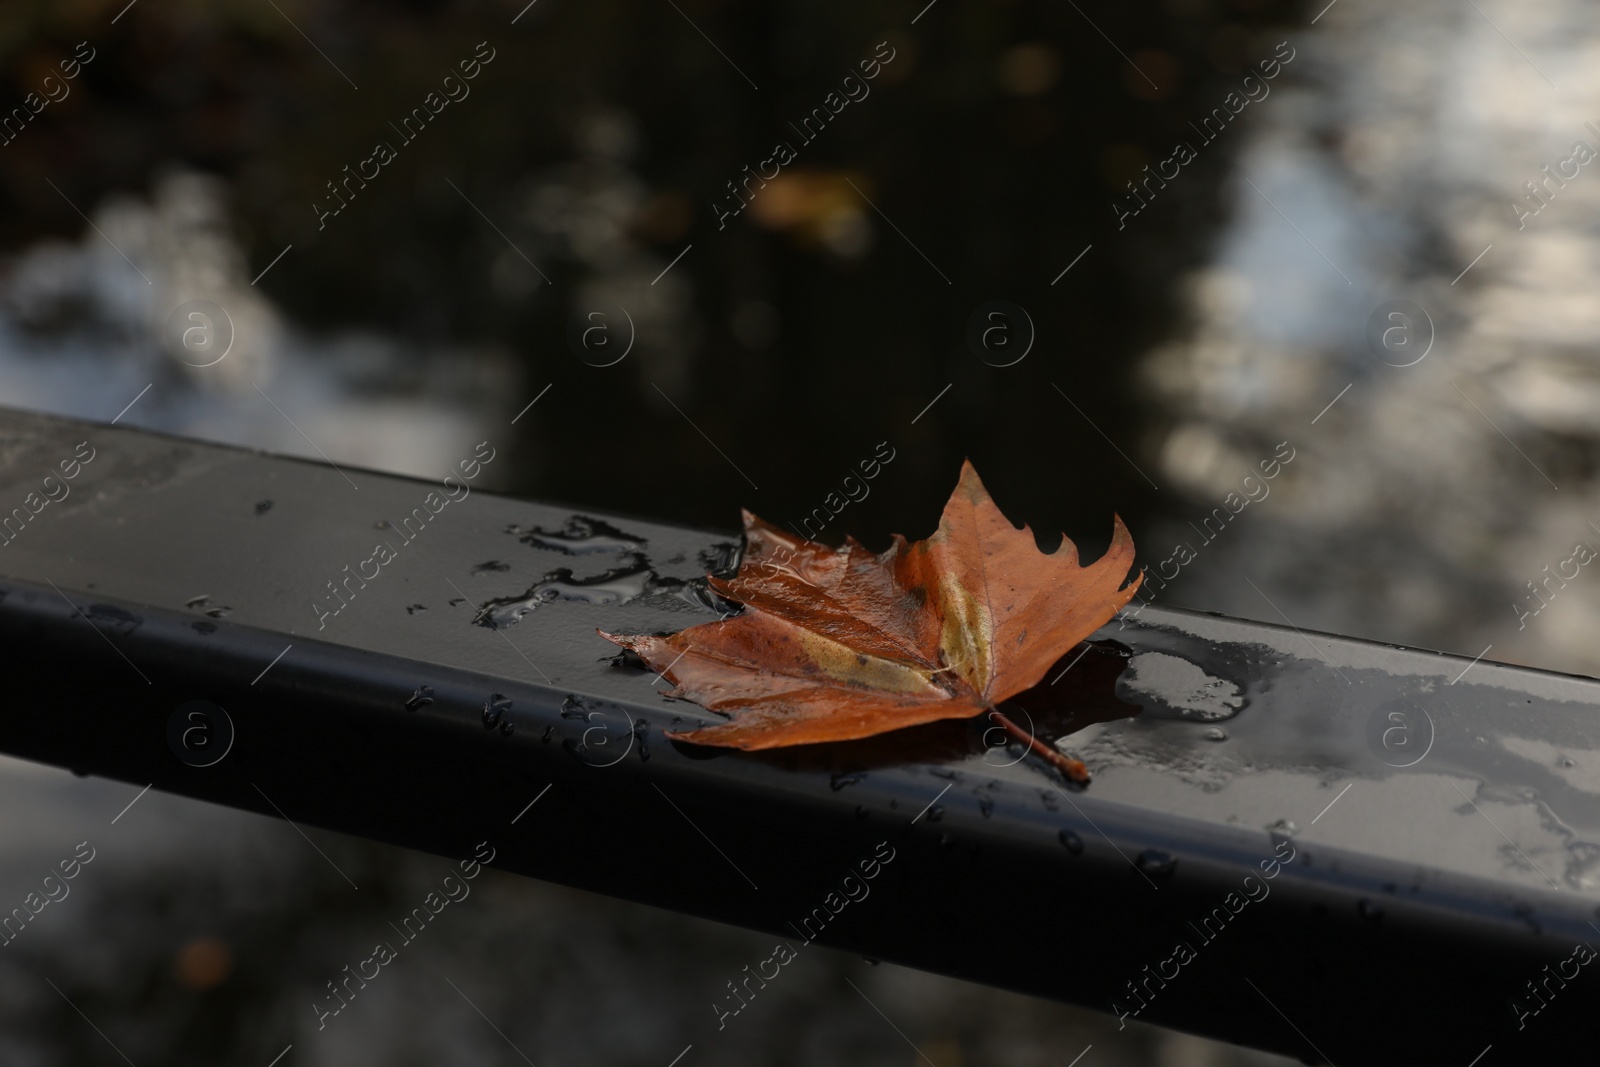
x=1285 y=827
x=641 y=734
x=1155 y=863
x=1369 y=911
x=491 y=566
x=506 y=727
x=204 y=627
x=1049 y=800
x=493 y=709
x=935 y=813
x=263 y=506
x=986 y=806
x=861 y=811
x=581 y=536
x=944 y=772
x=1215 y=733
x=548 y=730
x=198 y=601
x=421 y=698
x=839 y=781
x=870 y=961
x=945 y=840
x=616 y=586
x=218 y=612
x=1073 y=842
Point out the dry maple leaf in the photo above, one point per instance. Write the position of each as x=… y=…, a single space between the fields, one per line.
x=842 y=643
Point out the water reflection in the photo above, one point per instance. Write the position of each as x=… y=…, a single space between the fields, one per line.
x=1398 y=169
x=87 y=325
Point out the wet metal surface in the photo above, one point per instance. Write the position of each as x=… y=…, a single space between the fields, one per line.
x=1425 y=829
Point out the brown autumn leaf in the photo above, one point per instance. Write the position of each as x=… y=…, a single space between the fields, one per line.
x=842 y=643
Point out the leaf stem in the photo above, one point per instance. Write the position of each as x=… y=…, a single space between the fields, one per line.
x=1073 y=769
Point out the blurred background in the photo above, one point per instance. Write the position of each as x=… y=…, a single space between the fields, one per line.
x=1347 y=163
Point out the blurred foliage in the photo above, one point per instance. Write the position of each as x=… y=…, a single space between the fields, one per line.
x=597 y=141
x=191 y=964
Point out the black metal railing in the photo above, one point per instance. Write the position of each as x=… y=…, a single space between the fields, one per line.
x=1333 y=849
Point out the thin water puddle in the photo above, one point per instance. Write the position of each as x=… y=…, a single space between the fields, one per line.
x=582 y=535
x=1169 y=686
x=634 y=577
